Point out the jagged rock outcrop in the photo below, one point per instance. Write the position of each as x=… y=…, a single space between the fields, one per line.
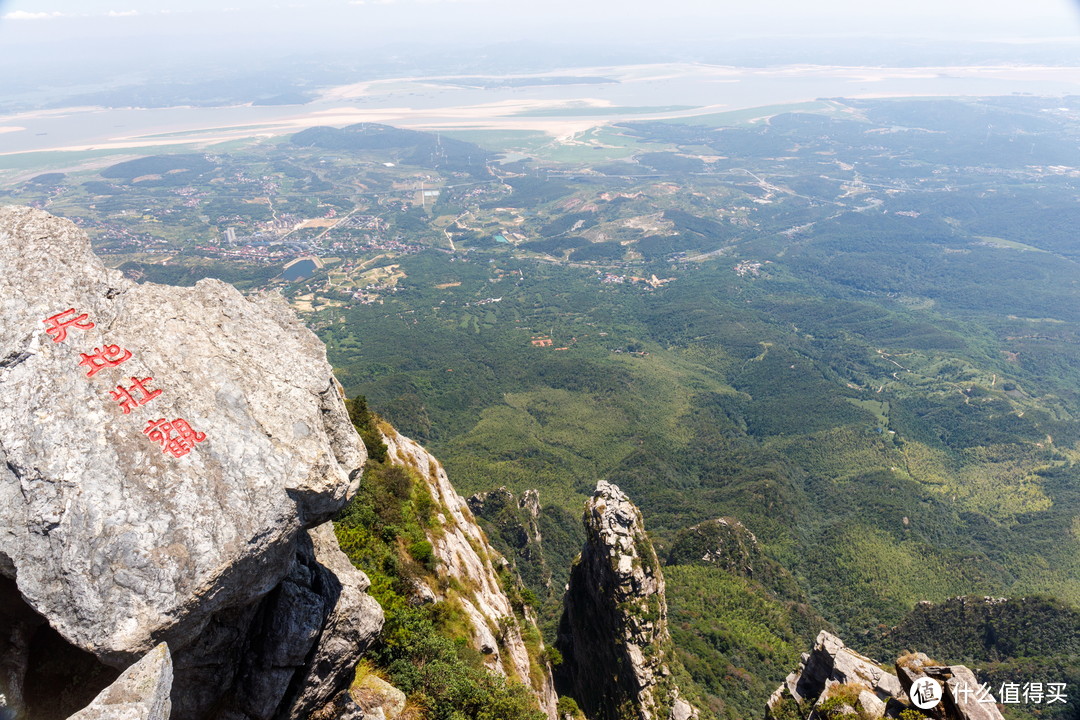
x=831 y=663
x=140 y=693
x=540 y=542
x=961 y=695
x=165 y=452
x=465 y=556
x=833 y=680
x=302 y=642
x=613 y=634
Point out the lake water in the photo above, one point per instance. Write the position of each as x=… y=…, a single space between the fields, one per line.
x=300 y=269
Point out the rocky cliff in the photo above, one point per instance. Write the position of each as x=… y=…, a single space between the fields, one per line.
x=613 y=634
x=540 y=541
x=170 y=457
x=469 y=568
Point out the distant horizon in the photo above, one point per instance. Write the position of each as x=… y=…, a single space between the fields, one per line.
x=104 y=38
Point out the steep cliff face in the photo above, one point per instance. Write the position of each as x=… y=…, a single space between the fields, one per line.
x=168 y=457
x=468 y=562
x=540 y=541
x=613 y=634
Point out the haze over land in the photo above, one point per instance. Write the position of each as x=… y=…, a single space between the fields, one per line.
x=561 y=104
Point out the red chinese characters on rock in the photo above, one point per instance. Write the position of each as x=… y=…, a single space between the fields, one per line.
x=176 y=437
x=180 y=444
x=103 y=357
x=126 y=397
x=57 y=325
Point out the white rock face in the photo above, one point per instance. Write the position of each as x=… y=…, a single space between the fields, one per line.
x=682 y=710
x=465 y=555
x=140 y=693
x=123 y=533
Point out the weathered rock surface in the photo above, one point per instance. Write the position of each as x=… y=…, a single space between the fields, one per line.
x=299 y=646
x=119 y=545
x=913 y=666
x=353 y=622
x=378 y=699
x=682 y=710
x=831 y=664
x=613 y=634
x=962 y=696
x=466 y=556
x=140 y=693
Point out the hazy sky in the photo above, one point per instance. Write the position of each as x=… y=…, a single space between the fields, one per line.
x=515 y=19
x=78 y=32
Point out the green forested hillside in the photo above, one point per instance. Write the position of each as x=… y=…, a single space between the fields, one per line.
x=1019 y=641
x=878 y=384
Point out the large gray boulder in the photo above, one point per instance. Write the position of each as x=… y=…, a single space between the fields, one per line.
x=963 y=699
x=830 y=665
x=140 y=693
x=832 y=662
x=122 y=532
